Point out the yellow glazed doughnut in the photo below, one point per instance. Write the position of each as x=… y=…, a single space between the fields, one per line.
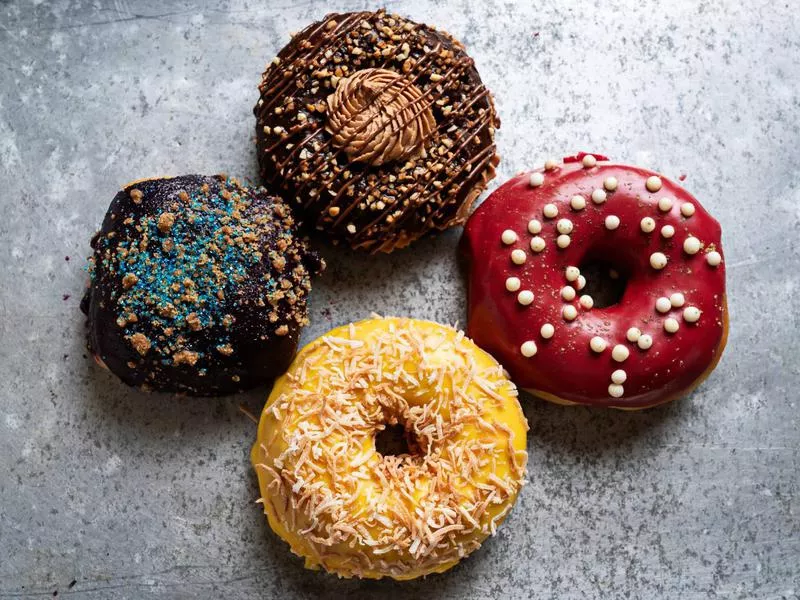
x=345 y=507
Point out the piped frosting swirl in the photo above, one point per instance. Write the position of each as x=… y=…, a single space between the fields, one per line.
x=378 y=116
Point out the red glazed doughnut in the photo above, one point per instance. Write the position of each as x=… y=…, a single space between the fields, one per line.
x=524 y=247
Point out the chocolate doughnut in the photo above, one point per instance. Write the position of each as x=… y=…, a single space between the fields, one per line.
x=198 y=285
x=528 y=301
x=377 y=129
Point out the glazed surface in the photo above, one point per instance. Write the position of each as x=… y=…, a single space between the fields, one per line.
x=344 y=506
x=376 y=128
x=576 y=363
x=198 y=285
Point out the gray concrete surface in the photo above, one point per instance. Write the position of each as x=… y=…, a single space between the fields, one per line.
x=110 y=493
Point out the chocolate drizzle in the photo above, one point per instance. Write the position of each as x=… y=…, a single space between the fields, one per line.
x=198 y=285
x=386 y=204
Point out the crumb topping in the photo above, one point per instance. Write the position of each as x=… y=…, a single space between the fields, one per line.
x=140 y=343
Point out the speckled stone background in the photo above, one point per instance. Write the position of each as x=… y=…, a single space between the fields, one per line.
x=110 y=493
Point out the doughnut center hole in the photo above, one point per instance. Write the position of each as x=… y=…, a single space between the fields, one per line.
x=605 y=281
x=396 y=440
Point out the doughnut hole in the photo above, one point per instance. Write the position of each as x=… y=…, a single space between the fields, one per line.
x=606 y=280
x=396 y=440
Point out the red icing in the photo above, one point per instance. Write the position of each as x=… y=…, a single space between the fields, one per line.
x=579 y=157
x=565 y=366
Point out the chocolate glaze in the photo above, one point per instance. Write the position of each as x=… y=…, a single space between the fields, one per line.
x=564 y=367
x=383 y=207
x=198 y=286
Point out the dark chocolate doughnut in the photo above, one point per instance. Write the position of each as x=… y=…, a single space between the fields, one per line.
x=528 y=304
x=198 y=285
x=376 y=128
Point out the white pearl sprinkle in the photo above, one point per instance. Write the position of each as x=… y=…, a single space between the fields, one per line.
x=513 y=284
x=615 y=391
x=528 y=349
x=581 y=282
x=671 y=325
x=586 y=301
x=564 y=226
x=572 y=273
x=508 y=237
x=647 y=224
x=525 y=297
x=577 y=202
x=619 y=376
x=534 y=226
x=663 y=305
x=658 y=260
x=677 y=299
x=691 y=245
x=568 y=293
x=550 y=211
x=653 y=183
x=620 y=353
x=550 y=164
x=597 y=344
x=536 y=179
x=667 y=231
x=612 y=222
x=665 y=204
x=714 y=258
x=569 y=312
x=645 y=341
x=687 y=209
x=599 y=196
x=691 y=314
x=633 y=334
x=563 y=241
x=518 y=257
x=537 y=244
x=547 y=331
x=610 y=183
x=589 y=161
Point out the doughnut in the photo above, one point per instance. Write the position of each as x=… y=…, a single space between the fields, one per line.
x=348 y=508
x=377 y=129
x=532 y=308
x=198 y=285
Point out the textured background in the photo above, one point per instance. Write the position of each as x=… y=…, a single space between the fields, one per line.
x=110 y=493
